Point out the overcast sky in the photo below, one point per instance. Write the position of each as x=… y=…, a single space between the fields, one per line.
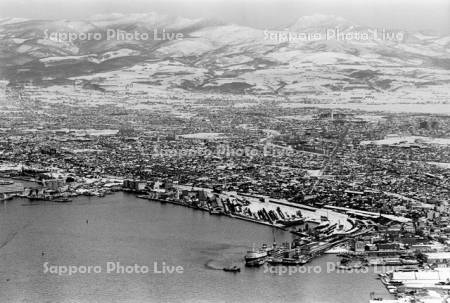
x=401 y=14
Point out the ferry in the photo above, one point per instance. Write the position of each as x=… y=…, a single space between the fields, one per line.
x=255 y=258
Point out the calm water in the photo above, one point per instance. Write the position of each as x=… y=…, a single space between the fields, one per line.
x=122 y=228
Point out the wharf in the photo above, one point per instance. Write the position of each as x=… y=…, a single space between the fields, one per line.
x=236 y=216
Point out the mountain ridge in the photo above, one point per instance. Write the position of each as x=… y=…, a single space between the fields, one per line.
x=212 y=53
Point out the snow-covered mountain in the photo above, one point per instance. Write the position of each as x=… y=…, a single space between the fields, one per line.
x=209 y=55
x=318 y=21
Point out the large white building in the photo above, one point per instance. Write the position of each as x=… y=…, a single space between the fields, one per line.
x=420 y=279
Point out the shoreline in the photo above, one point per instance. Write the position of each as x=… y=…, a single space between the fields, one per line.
x=232 y=216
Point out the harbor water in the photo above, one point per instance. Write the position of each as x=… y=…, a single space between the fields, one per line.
x=123 y=229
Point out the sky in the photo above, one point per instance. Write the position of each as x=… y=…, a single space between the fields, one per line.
x=264 y=14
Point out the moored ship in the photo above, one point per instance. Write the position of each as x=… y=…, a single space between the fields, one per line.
x=255 y=257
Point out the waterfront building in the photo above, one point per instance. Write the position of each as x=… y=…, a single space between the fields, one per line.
x=53 y=184
x=439 y=259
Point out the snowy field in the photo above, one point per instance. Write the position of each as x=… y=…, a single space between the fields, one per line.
x=408 y=139
x=206 y=136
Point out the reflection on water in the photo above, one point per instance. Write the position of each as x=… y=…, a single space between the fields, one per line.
x=122 y=228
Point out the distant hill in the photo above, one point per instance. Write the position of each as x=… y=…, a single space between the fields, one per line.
x=214 y=56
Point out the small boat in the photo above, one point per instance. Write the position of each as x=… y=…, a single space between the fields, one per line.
x=39 y=198
x=275 y=261
x=306 y=259
x=291 y=262
x=255 y=262
x=215 y=211
x=233 y=268
x=143 y=197
x=392 y=289
x=62 y=200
